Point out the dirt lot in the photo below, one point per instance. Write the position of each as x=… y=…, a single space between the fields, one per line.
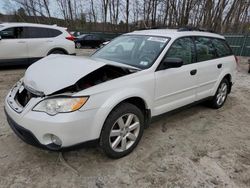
x=197 y=147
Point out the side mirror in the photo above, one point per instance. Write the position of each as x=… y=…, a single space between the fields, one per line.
x=0 y=37
x=172 y=63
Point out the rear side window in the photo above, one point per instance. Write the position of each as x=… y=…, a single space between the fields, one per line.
x=89 y=37
x=205 y=49
x=54 y=32
x=182 y=48
x=14 y=33
x=39 y=32
x=96 y=37
x=221 y=47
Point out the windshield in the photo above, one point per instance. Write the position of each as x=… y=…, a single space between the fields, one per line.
x=135 y=50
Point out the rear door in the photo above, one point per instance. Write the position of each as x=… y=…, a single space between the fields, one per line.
x=41 y=41
x=210 y=66
x=88 y=41
x=176 y=87
x=13 y=45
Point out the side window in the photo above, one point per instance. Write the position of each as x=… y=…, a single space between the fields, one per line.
x=54 y=32
x=39 y=32
x=221 y=48
x=94 y=37
x=13 y=33
x=182 y=48
x=89 y=37
x=204 y=48
x=36 y=32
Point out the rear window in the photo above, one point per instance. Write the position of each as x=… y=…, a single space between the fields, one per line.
x=39 y=32
x=221 y=47
x=205 y=49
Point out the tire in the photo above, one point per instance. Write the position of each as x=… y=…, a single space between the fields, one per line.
x=57 y=52
x=220 y=97
x=123 y=141
x=78 y=45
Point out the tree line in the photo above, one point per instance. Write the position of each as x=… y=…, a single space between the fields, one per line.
x=222 y=16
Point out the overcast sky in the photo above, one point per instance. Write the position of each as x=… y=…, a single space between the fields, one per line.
x=1 y=6
x=7 y=7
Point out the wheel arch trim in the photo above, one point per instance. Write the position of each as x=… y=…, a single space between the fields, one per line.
x=222 y=76
x=57 y=48
x=111 y=103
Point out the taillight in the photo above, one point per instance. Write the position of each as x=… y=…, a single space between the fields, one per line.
x=70 y=37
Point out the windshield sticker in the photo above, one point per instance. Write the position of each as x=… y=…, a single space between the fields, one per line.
x=144 y=63
x=157 y=39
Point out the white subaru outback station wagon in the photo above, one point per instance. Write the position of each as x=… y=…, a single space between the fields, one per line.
x=25 y=43
x=110 y=97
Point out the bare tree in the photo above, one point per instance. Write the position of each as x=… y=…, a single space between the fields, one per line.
x=218 y=15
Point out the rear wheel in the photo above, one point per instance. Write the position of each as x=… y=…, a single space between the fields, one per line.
x=57 y=52
x=221 y=95
x=122 y=130
x=78 y=45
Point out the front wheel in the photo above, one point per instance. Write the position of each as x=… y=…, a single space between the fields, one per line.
x=122 y=130
x=221 y=95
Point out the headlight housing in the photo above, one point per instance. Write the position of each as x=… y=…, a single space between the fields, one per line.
x=53 y=106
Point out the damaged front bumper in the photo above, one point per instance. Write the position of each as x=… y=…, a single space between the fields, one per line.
x=29 y=138
x=42 y=130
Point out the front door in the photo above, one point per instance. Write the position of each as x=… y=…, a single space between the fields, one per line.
x=176 y=87
x=13 y=46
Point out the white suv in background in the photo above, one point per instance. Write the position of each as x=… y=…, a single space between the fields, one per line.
x=25 y=43
x=111 y=96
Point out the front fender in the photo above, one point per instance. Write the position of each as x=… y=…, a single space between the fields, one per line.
x=112 y=101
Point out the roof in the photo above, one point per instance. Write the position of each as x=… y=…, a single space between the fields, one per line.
x=174 y=33
x=11 y=24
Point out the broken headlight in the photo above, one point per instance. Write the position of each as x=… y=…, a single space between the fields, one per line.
x=53 y=106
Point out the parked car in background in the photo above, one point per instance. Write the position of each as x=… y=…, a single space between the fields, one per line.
x=25 y=43
x=111 y=96
x=88 y=40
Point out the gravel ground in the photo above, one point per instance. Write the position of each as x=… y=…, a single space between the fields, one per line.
x=197 y=147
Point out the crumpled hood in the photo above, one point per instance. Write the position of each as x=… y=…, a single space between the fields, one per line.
x=56 y=72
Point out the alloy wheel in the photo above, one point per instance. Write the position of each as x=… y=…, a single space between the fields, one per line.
x=124 y=132
x=222 y=94
x=78 y=45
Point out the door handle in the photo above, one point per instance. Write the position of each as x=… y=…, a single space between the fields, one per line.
x=219 y=66
x=21 y=42
x=49 y=41
x=193 y=72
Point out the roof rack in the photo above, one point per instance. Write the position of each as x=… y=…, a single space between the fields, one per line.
x=194 y=29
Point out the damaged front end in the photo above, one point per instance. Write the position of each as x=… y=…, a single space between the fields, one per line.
x=62 y=74
x=101 y=75
x=24 y=93
x=52 y=82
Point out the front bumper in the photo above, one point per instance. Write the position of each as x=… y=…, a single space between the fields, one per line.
x=29 y=138
x=34 y=128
